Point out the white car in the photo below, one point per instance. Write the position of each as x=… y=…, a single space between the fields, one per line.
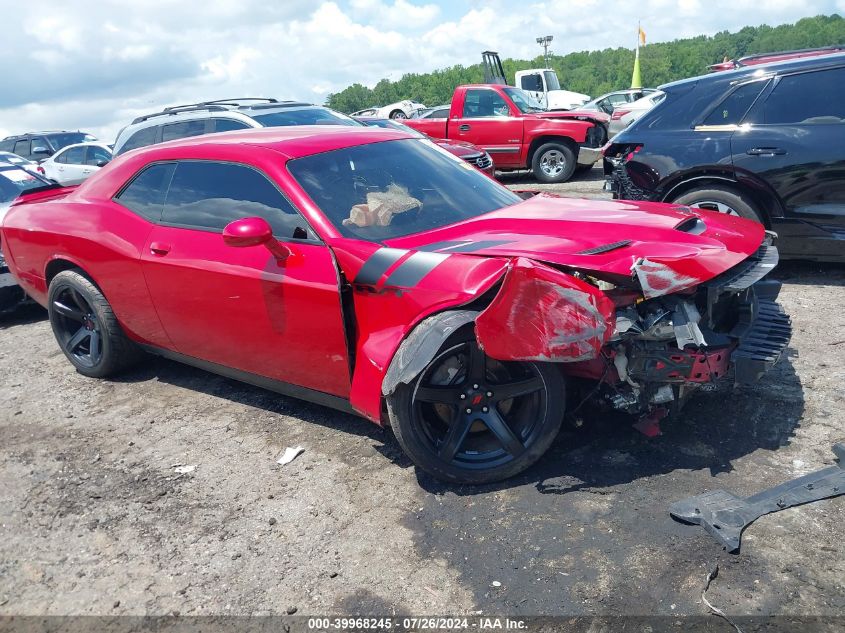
x=399 y=110
x=626 y=113
x=74 y=163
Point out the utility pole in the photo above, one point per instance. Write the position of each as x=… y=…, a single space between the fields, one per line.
x=544 y=42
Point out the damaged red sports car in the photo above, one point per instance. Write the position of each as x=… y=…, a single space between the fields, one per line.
x=373 y=272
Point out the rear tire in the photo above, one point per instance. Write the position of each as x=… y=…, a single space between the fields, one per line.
x=502 y=434
x=553 y=163
x=86 y=327
x=398 y=115
x=722 y=200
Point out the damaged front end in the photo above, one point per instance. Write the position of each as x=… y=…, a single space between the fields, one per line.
x=648 y=350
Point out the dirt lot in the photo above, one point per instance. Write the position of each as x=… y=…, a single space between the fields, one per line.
x=96 y=519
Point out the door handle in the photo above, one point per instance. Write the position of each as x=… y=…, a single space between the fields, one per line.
x=464 y=127
x=766 y=151
x=159 y=248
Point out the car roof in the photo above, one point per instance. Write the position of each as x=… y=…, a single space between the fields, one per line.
x=291 y=141
x=85 y=144
x=731 y=76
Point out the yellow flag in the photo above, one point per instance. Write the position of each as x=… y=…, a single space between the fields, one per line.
x=642 y=36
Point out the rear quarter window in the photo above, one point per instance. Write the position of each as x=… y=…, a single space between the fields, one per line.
x=733 y=108
x=146 y=192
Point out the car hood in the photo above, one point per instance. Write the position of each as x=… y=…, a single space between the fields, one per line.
x=608 y=239
x=458 y=148
x=579 y=115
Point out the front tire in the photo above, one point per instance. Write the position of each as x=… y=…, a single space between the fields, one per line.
x=722 y=200
x=553 y=163
x=398 y=115
x=469 y=419
x=86 y=328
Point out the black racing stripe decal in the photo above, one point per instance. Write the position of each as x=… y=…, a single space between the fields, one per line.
x=440 y=246
x=463 y=247
x=471 y=247
x=413 y=269
x=377 y=265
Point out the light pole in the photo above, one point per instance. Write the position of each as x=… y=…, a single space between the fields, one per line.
x=544 y=42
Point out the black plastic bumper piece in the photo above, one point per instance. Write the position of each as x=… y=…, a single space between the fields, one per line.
x=725 y=516
x=768 y=332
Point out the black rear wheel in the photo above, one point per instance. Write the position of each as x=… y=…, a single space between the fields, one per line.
x=86 y=328
x=468 y=418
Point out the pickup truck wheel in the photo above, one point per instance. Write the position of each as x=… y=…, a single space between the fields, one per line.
x=470 y=419
x=553 y=162
x=398 y=114
x=86 y=328
x=722 y=200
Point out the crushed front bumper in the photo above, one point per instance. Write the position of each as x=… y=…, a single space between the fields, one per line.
x=763 y=329
x=588 y=155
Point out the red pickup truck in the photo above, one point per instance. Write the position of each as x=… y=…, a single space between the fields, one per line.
x=518 y=133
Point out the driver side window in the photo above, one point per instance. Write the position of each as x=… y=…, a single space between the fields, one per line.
x=484 y=103
x=208 y=195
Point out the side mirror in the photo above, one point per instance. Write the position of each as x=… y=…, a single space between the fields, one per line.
x=40 y=149
x=101 y=163
x=254 y=232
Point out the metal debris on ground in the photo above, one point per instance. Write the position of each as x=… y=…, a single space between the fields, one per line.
x=184 y=470
x=289 y=455
x=725 y=516
x=710 y=578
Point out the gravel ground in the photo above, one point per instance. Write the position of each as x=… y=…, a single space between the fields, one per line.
x=96 y=518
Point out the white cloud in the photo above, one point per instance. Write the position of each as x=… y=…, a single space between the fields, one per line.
x=95 y=64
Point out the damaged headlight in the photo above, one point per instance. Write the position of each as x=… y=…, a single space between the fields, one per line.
x=660 y=321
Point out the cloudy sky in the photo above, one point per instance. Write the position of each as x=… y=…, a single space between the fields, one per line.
x=94 y=65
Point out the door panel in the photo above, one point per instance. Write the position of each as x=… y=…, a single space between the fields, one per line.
x=484 y=124
x=795 y=141
x=242 y=308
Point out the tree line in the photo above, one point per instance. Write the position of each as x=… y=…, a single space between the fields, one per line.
x=597 y=72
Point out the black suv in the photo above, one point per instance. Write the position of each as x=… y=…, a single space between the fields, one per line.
x=765 y=142
x=37 y=146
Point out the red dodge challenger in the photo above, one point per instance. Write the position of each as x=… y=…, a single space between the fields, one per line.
x=374 y=272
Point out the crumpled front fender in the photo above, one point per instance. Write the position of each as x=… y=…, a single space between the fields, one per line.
x=542 y=314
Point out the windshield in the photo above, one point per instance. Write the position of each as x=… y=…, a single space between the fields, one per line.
x=303 y=116
x=524 y=101
x=551 y=80
x=14 y=181
x=58 y=141
x=389 y=189
x=393 y=125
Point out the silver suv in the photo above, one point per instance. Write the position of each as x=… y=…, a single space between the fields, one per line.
x=222 y=115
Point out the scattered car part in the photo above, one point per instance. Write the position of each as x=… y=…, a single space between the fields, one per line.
x=725 y=516
x=289 y=454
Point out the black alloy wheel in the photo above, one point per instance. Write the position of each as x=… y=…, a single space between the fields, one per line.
x=86 y=328
x=472 y=419
x=77 y=327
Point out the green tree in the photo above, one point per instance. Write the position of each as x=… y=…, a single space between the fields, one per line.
x=597 y=72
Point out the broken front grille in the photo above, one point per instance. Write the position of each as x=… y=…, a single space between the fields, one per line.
x=482 y=161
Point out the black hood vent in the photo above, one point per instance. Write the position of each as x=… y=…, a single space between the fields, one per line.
x=604 y=248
